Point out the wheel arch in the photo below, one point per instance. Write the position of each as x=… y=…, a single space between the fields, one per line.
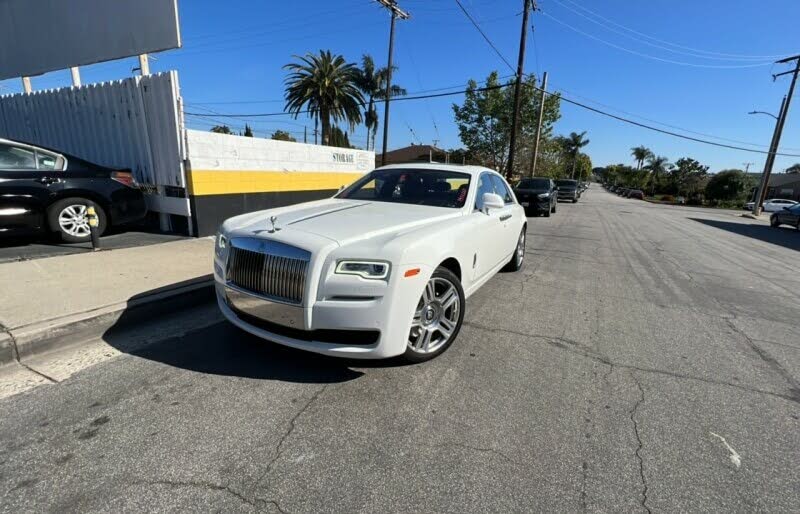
x=452 y=264
x=88 y=195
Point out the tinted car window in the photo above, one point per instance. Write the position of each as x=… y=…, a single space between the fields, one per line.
x=567 y=184
x=501 y=189
x=534 y=183
x=437 y=188
x=485 y=185
x=46 y=161
x=13 y=157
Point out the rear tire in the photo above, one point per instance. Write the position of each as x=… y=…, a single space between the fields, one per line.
x=68 y=218
x=437 y=318
x=547 y=213
x=574 y=200
x=773 y=221
x=554 y=207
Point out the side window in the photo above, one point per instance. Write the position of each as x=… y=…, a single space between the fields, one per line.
x=46 y=161
x=485 y=185
x=501 y=189
x=13 y=157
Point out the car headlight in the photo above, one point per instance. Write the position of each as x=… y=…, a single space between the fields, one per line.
x=544 y=195
x=374 y=270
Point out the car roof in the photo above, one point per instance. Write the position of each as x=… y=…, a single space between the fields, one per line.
x=461 y=168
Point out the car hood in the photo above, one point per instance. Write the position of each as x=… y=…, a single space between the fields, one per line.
x=342 y=221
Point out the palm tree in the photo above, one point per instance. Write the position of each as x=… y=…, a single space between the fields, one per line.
x=640 y=154
x=657 y=166
x=372 y=82
x=324 y=85
x=574 y=143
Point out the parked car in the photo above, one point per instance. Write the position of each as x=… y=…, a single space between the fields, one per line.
x=382 y=269
x=786 y=216
x=636 y=193
x=43 y=190
x=777 y=204
x=622 y=191
x=537 y=195
x=568 y=190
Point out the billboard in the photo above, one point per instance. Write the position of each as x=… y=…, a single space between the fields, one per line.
x=37 y=36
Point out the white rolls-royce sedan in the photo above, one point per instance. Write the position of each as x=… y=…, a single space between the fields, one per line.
x=382 y=269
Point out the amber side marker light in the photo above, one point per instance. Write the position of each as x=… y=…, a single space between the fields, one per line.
x=411 y=272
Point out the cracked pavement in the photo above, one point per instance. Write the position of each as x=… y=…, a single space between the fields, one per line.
x=639 y=349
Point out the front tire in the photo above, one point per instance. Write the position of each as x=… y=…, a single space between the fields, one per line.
x=773 y=221
x=515 y=264
x=68 y=217
x=437 y=318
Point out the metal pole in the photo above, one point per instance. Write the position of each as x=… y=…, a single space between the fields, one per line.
x=517 y=87
x=76 y=76
x=539 y=125
x=388 y=91
x=26 y=84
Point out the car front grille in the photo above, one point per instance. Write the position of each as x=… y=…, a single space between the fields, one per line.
x=269 y=269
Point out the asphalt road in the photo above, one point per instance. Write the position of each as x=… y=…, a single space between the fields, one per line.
x=645 y=359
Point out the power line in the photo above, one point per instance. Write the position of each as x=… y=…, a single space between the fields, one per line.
x=485 y=37
x=743 y=56
x=691 y=53
x=653 y=57
x=562 y=97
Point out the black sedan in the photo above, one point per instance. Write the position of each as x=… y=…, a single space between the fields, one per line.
x=787 y=216
x=537 y=195
x=42 y=190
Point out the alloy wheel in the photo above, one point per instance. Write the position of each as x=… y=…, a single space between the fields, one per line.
x=436 y=317
x=521 y=248
x=74 y=221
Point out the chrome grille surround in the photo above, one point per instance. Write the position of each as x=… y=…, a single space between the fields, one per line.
x=273 y=270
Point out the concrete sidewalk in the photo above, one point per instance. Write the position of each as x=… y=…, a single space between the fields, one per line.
x=44 y=301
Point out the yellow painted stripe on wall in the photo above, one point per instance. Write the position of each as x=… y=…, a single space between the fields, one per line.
x=220 y=182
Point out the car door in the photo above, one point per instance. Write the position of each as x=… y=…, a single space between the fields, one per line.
x=510 y=232
x=488 y=229
x=27 y=177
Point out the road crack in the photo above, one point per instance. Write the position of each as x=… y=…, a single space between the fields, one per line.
x=481 y=450
x=210 y=486
x=639 y=441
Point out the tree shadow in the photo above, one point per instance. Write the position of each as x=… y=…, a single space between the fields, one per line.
x=781 y=236
x=222 y=348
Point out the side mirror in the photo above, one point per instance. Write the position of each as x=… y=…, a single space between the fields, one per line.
x=786 y=208
x=492 y=201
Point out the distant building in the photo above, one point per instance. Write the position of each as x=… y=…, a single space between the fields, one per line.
x=784 y=185
x=414 y=153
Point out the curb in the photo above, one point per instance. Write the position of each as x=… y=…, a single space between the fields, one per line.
x=41 y=337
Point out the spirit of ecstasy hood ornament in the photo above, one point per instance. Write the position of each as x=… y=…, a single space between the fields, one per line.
x=272 y=220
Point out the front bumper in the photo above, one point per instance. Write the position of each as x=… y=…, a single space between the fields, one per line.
x=572 y=195
x=536 y=204
x=373 y=328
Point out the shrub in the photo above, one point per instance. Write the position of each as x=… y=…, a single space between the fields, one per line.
x=668 y=198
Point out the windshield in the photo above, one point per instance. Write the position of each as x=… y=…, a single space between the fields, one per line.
x=534 y=183
x=437 y=188
x=567 y=184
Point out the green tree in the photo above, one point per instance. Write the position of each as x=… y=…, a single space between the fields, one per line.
x=640 y=154
x=324 y=84
x=372 y=83
x=484 y=120
x=687 y=177
x=339 y=138
x=248 y=132
x=728 y=185
x=282 y=135
x=657 y=166
x=574 y=143
x=221 y=129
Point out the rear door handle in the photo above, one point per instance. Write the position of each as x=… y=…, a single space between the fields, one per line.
x=505 y=217
x=48 y=180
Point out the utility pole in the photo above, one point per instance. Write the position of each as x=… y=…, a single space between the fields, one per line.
x=539 y=125
x=526 y=6
x=26 y=84
x=747 y=166
x=305 y=134
x=76 y=76
x=144 y=65
x=776 y=138
x=396 y=13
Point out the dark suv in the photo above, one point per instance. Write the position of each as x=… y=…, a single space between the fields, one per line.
x=46 y=190
x=568 y=190
x=537 y=195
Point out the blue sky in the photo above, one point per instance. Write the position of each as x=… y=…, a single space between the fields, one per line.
x=234 y=51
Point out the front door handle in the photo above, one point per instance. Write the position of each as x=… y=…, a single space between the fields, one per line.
x=48 y=180
x=505 y=217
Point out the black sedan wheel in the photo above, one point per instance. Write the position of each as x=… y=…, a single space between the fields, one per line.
x=69 y=217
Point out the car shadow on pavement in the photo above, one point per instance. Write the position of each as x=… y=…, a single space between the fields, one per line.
x=782 y=236
x=216 y=346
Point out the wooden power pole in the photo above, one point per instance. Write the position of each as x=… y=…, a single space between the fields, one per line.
x=518 y=86
x=396 y=13
x=539 y=125
x=776 y=138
